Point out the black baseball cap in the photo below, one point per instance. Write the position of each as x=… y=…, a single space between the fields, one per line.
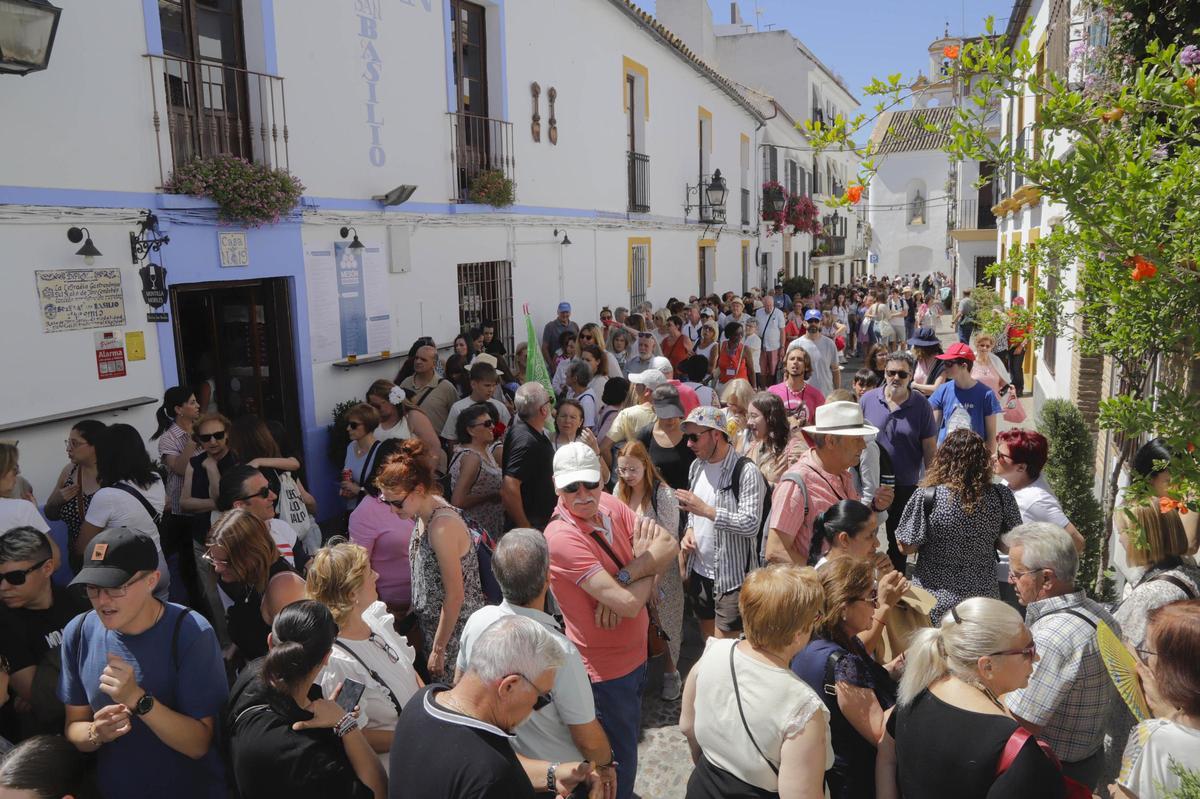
x=115 y=556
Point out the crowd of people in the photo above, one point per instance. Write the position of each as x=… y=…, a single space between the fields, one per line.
x=885 y=583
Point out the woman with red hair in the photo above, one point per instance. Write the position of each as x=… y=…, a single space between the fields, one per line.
x=1020 y=457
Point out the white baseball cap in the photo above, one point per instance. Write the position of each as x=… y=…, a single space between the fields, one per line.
x=576 y=463
x=649 y=377
x=663 y=365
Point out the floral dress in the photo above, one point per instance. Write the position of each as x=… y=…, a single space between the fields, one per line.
x=429 y=592
x=488 y=515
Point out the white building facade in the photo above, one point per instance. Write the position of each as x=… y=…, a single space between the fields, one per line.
x=605 y=122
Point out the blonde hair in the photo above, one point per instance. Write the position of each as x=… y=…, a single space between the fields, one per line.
x=973 y=629
x=335 y=573
x=1158 y=535
x=8 y=457
x=249 y=545
x=739 y=390
x=778 y=601
x=597 y=335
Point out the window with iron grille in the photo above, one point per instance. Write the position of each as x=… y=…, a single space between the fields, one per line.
x=639 y=259
x=764 y=273
x=485 y=295
x=745 y=269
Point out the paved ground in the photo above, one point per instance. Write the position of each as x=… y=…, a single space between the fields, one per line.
x=664 y=762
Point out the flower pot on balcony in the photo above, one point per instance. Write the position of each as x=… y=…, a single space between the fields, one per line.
x=492 y=187
x=245 y=193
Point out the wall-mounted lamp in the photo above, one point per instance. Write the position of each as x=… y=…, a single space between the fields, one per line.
x=147 y=239
x=712 y=198
x=27 y=29
x=88 y=250
x=397 y=196
x=355 y=244
x=566 y=241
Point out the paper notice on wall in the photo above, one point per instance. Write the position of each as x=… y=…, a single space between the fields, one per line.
x=110 y=355
x=348 y=307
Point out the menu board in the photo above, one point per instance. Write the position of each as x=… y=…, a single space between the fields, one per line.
x=79 y=299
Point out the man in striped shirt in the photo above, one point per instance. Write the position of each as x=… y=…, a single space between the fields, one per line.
x=724 y=507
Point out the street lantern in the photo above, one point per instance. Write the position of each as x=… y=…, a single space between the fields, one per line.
x=27 y=29
x=775 y=202
x=716 y=190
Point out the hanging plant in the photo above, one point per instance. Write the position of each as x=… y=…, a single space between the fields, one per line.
x=492 y=187
x=245 y=193
x=801 y=213
x=773 y=190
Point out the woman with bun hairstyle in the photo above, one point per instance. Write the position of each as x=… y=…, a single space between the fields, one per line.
x=446 y=588
x=950 y=727
x=285 y=738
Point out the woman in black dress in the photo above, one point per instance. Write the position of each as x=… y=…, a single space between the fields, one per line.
x=664 y=440
x=950 y=728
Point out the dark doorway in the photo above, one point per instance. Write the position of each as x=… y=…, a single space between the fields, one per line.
x=982 y=262
x=233 y=344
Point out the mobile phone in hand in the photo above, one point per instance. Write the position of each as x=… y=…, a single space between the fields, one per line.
x=352 y=691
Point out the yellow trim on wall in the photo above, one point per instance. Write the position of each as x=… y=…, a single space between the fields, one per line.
x=628 y=65
x=700 y=246
x=637 y=241
x=704 y=113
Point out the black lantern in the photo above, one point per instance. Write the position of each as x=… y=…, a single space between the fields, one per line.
x=716 y=190
x=88 y=250
x=775 y=201
x=355 y=244
x=27 y=29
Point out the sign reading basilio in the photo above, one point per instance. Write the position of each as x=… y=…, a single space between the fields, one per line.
x=80 y=299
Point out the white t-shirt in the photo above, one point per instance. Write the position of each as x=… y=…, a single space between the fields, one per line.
x=823 y=354
x=285 y=539
x=1038 y=503
x=1145 y=767
x=770 y=327
x=20 y=513
x=705 y=394
x=705 y=489
x=113 y=507
x=376 y=711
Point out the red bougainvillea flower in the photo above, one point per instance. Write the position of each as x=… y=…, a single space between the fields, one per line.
x=1191 y=447
x=950 y=51
x=1142 y=269
x=854 y=193
x=1166 y=505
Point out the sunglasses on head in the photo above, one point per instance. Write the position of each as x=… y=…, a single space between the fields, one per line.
x=261 y=493
x=572 y=488
x=18 y=576
x=204 y=438
x=900 y=373
x=645 y=335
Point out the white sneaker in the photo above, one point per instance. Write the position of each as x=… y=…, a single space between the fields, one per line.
x=672 y=686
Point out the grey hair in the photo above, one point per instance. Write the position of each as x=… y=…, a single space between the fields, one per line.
x=1045 y=546
x=579 y=371
x=902 y=355
x=954 y=647
x=514 y=645
x=530 y=398
x=521 y=564
x=24 y=543
x=620 y=309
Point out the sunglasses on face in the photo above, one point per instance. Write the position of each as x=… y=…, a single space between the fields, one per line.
x=354 y=425
x=204 y=438
x=488 y=423
x=900 y=373
x=17 y=576
x=574 y=487
x=261 y=493
x=542 y=699
x=398 y=503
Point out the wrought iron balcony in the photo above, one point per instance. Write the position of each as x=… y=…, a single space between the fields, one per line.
x=825 y=245
x=477 y=145
x=970 y=215
x=638 y=182
x=215 y=109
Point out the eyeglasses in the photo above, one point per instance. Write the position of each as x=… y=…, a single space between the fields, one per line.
x=392 y=654
x=900 y=373
x=1003 y=456
x=488 y=423
x=572 y=488
x=94 y=591
x=873 y=599
x=204 y=438
x=261 y=493
x=1144 y=654
x=1027 y=652
x=353 y=425
x=628 y=469
x=207 y=557
x=1013 y=576
x=17 y=576
x=70 y=445
x=542 y=699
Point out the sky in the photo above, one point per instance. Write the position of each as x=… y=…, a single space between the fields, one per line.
x=862 y=39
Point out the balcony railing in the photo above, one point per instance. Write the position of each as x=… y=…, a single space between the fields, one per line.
x=215 y=109
x=970 y=215
x=828 y=245
x=477 y=145
x=745 y=206
x=638 y=182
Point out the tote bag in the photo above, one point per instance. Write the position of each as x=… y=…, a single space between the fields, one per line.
x=290 y=507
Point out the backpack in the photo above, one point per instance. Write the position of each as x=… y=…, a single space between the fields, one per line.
x=760 y=539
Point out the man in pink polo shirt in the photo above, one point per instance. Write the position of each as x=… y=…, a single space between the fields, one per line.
x=603 y=561
x=820 y=479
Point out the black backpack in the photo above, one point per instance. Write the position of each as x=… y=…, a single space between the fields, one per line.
x=755 y=558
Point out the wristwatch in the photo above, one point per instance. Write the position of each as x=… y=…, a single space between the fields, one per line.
x=551 y=781
x=623 y=577
x=144 y=705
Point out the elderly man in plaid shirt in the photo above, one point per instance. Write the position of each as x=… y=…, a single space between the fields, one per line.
x=1070 y=695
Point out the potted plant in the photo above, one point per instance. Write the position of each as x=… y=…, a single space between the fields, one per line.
x=801 y=213
x=492 y=187
x=246 y=193
x=774 y=195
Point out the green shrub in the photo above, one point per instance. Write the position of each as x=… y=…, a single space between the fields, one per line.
x=799 y=284
x=1070 y=471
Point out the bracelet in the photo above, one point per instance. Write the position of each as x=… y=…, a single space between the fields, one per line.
x=344 y=726
x=551 y=782
x=93 y=738
x=879 y=620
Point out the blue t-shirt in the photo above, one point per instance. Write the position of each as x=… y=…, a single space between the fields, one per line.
x=979 y=402
x=139 y=764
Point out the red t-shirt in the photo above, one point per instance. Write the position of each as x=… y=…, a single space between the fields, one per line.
x=676 y=353
x=576 y=556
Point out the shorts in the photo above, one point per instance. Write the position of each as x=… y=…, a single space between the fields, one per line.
x=708 y=605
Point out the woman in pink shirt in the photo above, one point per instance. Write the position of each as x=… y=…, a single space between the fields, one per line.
x=386 y=537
